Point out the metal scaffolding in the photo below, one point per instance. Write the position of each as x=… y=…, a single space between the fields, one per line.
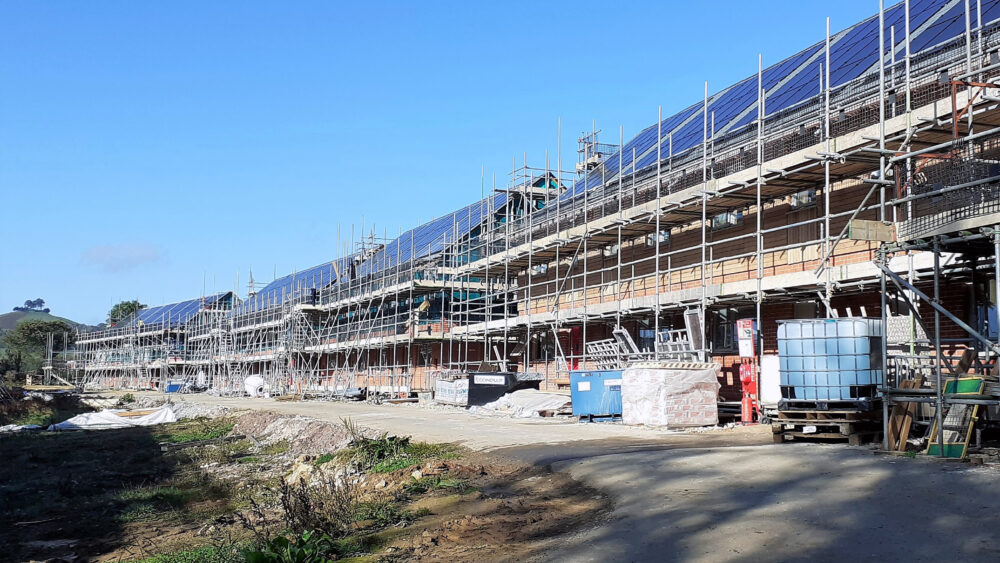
x=758 y=219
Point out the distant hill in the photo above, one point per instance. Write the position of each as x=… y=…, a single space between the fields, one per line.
x=10 y=320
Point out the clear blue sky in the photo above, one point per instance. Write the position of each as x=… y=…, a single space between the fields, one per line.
x=146 y=147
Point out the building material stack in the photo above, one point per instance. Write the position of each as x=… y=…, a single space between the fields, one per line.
x=671 y=394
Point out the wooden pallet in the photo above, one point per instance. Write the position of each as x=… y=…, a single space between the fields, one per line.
x=854 y=427
x=828 y=405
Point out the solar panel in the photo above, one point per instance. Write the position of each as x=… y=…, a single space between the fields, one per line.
x=419 y=242
x=172 y=314
x=796 y=79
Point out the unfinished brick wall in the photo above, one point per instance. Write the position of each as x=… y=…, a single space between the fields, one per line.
x=683 y=256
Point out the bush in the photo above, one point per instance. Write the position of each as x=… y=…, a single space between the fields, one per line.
x=386 y=453
x=307 y=547
x=324 y=508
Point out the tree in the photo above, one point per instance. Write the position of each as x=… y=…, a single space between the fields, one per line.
x=27 y=341
x=124 y=310
x=33 y=305
x=10 y=362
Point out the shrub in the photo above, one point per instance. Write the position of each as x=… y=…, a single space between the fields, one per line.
x=307 y=547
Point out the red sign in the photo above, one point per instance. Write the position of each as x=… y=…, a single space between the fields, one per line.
x=745 y=337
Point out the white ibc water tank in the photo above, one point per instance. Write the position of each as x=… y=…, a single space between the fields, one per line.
x=254 y=386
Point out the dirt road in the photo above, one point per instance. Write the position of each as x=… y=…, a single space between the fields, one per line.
x=721 y=495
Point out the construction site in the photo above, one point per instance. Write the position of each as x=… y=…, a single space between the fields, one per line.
x=772 y=312
x=846 y=182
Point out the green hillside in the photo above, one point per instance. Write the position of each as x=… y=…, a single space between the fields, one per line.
x=10 y=320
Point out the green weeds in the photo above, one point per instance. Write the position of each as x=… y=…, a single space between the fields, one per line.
x=434 y=482
x=197 y=430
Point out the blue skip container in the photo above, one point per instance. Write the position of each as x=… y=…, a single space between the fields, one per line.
x=830 y=359
x=596 y=393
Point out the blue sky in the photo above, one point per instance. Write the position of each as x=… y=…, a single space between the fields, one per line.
x=150 y=150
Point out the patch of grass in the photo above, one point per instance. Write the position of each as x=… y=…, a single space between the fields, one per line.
x=196 y=431
x=276 y=448
x=152 y=502
x=173 y=497
x=40 y=416
x=359 y=544
x=203 y=554
x=323 y=459
x=139 y=512
x=248 y=459
x=179 y=499
x=394 y=464
x=426 y=450
x=41 y=412
x=431 y=483
x=382 y=512
x=218 y=453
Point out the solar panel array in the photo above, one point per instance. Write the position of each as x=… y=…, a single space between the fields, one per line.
x=172 y=314
x=425 y=240
x=310 y=278
x=433 y=236
x=853 y=53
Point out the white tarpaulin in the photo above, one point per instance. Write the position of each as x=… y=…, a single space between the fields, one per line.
x=527 y=403
x=110 y=419
x=18 y=428
x=671 y=394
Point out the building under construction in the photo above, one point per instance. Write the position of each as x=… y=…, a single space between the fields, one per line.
x=858 y=177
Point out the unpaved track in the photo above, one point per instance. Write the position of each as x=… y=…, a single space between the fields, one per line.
x=725 y=495
x=528 y=439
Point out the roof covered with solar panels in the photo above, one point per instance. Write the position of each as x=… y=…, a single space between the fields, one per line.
x=176 y=314
x=433 y=236
x=853 y=53
x=419 y=242
x=311 y=278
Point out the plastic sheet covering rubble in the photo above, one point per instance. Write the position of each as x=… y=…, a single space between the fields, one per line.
x=114 y=419
x=671 y=394
x=19 y=428
x=525 y=403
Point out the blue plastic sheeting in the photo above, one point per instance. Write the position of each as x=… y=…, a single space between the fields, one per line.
x=853 y=52
x=172 y=314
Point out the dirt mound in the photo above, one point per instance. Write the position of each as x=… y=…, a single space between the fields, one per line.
x=303 y=435
x=182 y=409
